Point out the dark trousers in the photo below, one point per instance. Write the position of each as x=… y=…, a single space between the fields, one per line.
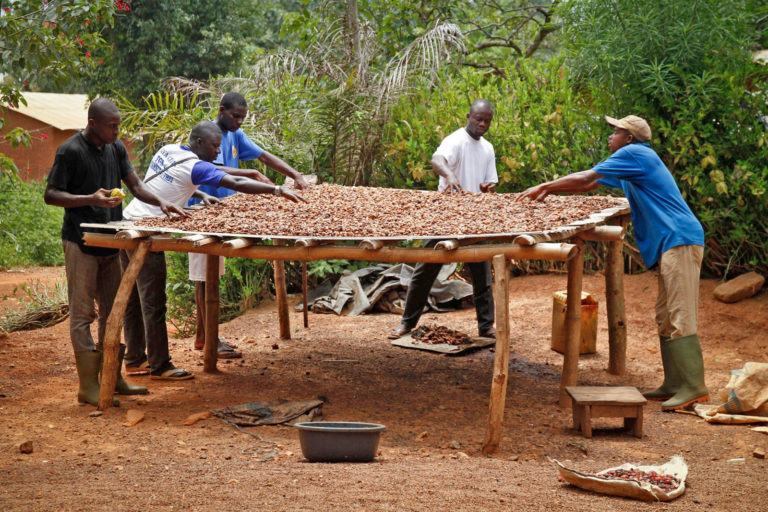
x=145 y=331
x=424 y=275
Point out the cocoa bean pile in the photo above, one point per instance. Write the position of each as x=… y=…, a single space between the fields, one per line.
x=339 y=211
x=434 y=334
x=666 y=483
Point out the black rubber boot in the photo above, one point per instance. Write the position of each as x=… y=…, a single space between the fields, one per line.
x=122 y=386
x=687 y=358
x=88 y=365
x=671 y=378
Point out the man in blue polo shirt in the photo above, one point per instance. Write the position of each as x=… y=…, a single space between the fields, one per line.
x=667 y=234
x=235 y=147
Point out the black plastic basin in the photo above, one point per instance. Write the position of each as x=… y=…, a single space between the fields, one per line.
x=339 y=441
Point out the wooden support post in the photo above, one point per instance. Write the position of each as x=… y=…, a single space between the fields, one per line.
x=115 y=325
x=614 y=302
x=501 y=358
x=211 y=350
x=282 y=298
x=570 y=375
x=304 y=293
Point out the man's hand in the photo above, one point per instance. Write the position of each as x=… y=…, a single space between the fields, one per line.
x=451 y=183
x=257 y=176
x=488 y=188
x=208 y=200
x=299 y=182
x=103 y=198
x=537 y=193
x=290 y=195
x=168 y=208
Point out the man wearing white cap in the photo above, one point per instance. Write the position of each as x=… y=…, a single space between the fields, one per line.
x=667 y=233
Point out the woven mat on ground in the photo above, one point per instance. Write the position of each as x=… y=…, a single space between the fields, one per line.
x=382 y=288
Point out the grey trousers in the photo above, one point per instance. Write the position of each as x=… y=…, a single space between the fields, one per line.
x=144 y=330
x=424 y=275
x=90 y=280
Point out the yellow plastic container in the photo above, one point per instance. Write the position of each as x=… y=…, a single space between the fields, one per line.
x=588 y=342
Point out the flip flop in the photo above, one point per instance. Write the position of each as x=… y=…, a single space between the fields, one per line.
x=226 y=351
x=173 y=374
x=142 y=369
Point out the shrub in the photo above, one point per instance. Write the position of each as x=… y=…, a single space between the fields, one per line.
x=30 y=230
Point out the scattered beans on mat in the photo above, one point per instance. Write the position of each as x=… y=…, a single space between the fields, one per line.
x=434 y=334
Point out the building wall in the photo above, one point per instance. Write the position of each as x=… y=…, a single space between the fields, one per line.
x=35 y=162
x=38 y=157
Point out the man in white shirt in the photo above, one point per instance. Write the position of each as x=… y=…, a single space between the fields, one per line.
x=464 y=161
x=174 y=174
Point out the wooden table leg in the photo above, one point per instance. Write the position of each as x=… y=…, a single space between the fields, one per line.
x=573 y=324
x=211 y=350
x=282 y=298
x=304 y=293
x=115 y=324
x=586 y=420
x=614 y=298
x=501 y=357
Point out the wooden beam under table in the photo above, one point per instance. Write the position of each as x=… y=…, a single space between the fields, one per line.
x=470 y=254
x=501 y=357
x=115 y=325
x=211 y=350
x=281 y=294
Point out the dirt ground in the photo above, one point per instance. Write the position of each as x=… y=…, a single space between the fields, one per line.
x=435 y=409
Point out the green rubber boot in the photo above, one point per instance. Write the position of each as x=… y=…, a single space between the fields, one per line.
x=671 y=379
x=88 y=365
x=122 y=386
x=687 y=358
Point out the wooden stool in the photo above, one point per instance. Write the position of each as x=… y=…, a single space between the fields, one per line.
x=606 y=402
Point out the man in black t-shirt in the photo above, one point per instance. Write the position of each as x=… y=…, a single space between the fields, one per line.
x=87 y=167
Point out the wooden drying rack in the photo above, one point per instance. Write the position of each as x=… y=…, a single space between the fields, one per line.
x=561 y=244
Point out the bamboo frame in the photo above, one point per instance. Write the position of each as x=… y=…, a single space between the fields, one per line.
x=519 y=247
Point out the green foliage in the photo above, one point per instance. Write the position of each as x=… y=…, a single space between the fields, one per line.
x=30 y=230
x=685 y=67
x=193 y=39
x=541 y=127
x=244 y=284
x=52 y=42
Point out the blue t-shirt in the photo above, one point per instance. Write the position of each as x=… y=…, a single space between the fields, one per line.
x=661 y=217
x=235 y=146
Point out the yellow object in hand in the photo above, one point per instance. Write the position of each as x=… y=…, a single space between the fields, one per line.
x=116 y=192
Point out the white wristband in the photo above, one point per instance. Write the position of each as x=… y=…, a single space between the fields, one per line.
x=278 y=190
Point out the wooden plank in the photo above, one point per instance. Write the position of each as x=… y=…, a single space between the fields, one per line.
x=211 y=350
x=238 y=243
x=570 y=375
x=614 y=303
x=501 y=357
x=281 y=295
x=606 y=395
x=470 y=254
x=115 y=326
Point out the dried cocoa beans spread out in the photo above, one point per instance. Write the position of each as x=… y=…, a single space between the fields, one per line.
x=339 y=211
x=433 y=334
x=666 y=483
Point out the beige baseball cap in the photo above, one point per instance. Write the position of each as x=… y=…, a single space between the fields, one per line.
x=635 y=125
